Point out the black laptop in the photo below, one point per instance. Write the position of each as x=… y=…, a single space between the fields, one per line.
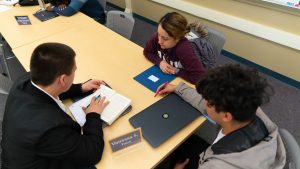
x=164 y=118
x=43 y=14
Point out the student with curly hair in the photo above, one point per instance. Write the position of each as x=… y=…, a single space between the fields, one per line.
x=171 y=51
x=231 y=96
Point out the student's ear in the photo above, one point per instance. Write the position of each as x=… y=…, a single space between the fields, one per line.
x=227 y=116
x=62 y=80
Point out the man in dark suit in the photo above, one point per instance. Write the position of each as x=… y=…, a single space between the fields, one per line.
x=37 y=131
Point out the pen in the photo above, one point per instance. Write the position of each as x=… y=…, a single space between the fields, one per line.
x=164 y=85
x=86 y=81
x=105 y=84
x=96 y=98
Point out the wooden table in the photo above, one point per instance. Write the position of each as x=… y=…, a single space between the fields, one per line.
x=103 y=54
x=19 y=35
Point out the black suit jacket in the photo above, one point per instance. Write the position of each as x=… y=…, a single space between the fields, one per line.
x=38 y=134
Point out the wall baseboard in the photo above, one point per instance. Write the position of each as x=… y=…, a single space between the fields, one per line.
x=262 y=69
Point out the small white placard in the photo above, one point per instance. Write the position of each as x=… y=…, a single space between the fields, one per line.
x=153 y=78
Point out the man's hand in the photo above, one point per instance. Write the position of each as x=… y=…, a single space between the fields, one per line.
x=166 y=67
x=96 y=105
x=166 y=89
x=91 y=85
x=181 y=165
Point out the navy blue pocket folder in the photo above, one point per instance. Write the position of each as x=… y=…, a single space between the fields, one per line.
x=153 y=77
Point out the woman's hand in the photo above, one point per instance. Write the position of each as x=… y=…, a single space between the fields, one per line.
x=166 y=67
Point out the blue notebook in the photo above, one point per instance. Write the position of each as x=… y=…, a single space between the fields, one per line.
x=153 y=77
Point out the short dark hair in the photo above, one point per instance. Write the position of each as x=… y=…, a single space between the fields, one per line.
x=50 y=60
x=235 y=89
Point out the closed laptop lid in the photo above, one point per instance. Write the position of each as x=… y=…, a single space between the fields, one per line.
x=164 y=118
x=45 y=15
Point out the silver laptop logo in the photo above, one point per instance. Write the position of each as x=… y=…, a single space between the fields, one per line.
x=165 y=115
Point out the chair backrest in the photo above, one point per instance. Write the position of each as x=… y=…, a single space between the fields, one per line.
x=217 y=39
x=3 y=59
x=5 y=84
x=120 y=22
x=103 y=4
x=292 y=150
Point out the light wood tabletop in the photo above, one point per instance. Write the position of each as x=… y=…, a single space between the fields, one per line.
x=103 y=54
x=19 y=35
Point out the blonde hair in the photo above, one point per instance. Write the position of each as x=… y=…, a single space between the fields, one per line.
x=175 y=25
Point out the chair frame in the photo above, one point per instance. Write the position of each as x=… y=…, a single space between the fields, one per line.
x=292 y=150
x=217 y=39
x=123 y=28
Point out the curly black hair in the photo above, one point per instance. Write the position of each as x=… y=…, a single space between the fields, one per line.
x=235 y=89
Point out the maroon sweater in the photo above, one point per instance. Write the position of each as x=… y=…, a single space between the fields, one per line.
x=182 y=57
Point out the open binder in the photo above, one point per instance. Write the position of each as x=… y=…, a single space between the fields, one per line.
x=118 y=104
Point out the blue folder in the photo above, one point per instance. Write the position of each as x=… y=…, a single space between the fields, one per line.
x=157 y=76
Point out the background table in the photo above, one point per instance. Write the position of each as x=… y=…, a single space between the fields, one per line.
x=19 y=35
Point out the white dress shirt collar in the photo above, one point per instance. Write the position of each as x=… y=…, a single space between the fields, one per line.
x=59 y=102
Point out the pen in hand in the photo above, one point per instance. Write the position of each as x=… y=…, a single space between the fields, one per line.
x=163 y=86
x=96 y=98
